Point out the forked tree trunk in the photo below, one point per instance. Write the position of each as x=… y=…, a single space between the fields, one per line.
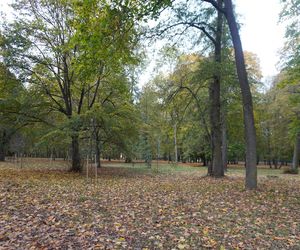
x=76 y=164
x=215 y=97
x=295 y=164
x=250 y=135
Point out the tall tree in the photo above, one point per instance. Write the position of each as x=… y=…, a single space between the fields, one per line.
x=208 y=24
x=215 y=97
x=10 y=92
x=67 y=49
x=291 y=66
x=250 y=134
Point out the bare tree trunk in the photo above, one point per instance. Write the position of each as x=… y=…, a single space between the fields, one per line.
x=76 y=165
x=215 y=97
x=295 y=164
x=250 y=134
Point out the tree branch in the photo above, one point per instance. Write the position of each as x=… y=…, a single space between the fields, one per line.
x=215 y=4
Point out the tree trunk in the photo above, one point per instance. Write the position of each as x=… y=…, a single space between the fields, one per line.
x=295 y=164
x=224 y=140
x=3 y=144
x=209 y=168
x=275 y=163
x=204 y=160
x=250 y=134
x=215 y=114
x=76 y=165
x=97 y=150
x=2 y=152
x=175 y=143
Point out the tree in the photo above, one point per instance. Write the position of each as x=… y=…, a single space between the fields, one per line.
x=291 y=66
x=10 y=90
x=211 y=31
x=250 y=134
x=215 y=97
x=113 y=119
x=184 y=94
x=67 y=50
x=151 y=114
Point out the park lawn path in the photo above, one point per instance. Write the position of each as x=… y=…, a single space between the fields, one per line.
x=51 y=209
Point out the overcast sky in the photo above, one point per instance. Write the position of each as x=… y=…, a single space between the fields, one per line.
x=260 y=32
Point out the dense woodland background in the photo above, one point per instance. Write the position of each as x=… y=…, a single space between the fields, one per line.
x=69 y=72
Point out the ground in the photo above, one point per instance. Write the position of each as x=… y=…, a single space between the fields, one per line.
x=42 y=206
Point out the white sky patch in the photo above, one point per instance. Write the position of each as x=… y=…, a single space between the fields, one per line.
x=6 y=9
x=261 y=33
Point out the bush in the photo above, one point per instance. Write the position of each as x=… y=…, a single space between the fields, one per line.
x=291 y=171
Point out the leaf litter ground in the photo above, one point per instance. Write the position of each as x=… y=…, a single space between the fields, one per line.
x=129 y=209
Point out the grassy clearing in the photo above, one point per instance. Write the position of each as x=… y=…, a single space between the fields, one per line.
x=174 y=207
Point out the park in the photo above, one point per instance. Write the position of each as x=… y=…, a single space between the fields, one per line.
x=147 y=125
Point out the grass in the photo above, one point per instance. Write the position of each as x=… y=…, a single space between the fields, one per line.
x=157 y=168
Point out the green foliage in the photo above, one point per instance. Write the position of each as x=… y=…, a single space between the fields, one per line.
x=74 y=57
x=290 y=77
x=290 y=16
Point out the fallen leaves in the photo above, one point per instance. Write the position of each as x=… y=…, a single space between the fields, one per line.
x=50 y=209
x=4 y=237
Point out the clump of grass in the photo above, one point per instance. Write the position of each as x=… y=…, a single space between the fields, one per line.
x=291 y=171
